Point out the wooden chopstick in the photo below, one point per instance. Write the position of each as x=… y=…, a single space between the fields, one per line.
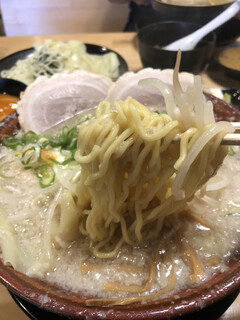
x=236 y=126
x=231 y=139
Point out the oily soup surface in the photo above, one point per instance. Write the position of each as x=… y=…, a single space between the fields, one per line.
x=213 y=236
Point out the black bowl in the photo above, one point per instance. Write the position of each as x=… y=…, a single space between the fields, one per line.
x=12 y=87
x=226 y=33
x=152 y=38
x=10 y=60
x=195 y=14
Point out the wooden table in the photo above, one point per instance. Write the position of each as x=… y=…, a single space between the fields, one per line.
x=126 y=45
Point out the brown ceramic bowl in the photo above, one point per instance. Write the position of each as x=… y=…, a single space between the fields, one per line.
x=207 y=301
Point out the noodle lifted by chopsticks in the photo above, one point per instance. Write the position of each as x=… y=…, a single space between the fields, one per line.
x=133 y=176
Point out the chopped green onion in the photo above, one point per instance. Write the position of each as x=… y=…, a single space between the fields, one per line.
x=30 y=137
x=62 y=163
x=66 y=139
x=85 y=118
x=3 y=175
x=227 y=97
x=30 y=156
x=231 y=152
x=160 y=112
x=237 y=214
x=11 y=142
x=45 y=174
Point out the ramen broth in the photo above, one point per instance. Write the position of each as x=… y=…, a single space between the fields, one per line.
x=213 y=236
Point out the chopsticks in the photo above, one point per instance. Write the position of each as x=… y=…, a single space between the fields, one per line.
x=231 y=139
x=236 y=126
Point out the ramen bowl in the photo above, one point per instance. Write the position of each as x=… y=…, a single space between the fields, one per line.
x=152 y=38
x=225 y=34
x=195 y=11
x=208 y=300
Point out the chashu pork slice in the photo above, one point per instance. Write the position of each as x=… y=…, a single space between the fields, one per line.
x=151 y=97
x=50 y=101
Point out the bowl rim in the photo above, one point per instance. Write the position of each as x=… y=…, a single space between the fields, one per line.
x=159 y=3
x=47 y=297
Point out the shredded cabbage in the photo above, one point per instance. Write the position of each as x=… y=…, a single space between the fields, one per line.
x=55 y=56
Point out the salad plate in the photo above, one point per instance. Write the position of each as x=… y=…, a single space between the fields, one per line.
x=10 y=60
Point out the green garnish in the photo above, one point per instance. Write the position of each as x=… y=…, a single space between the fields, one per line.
x=30 y=156
x=45 y=174
x=2 y=174
x=66 y=139
x=30 y=137
x=63 y=163
x=160 y=112
x=237 y=214
x=227 y=97
x=13 y=142
x=231 y=152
